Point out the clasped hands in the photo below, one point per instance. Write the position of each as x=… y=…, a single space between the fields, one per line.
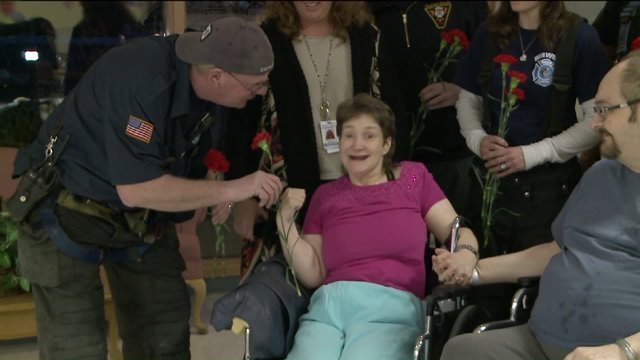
x=501 y=159
x=454 y=268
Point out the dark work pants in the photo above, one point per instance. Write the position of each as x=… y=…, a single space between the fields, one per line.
x=529 y=203
x=514 y=343
x=150 y=297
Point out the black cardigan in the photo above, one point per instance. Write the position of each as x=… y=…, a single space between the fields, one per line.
x=295 y=120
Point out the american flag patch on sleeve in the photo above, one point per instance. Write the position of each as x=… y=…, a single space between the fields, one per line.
x=139 y=129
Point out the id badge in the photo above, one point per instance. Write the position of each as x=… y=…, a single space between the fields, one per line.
x=329 y=131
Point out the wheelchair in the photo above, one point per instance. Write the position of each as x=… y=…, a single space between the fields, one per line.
x=449 y=304
x=448 y=312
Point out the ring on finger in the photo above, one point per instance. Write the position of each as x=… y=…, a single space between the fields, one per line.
x=503 y=166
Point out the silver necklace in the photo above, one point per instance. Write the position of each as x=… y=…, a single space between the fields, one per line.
x=523 y=57
x=324 y=103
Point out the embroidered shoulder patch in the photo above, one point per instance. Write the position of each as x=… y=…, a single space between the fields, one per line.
x=139 y=129
x=439 y=13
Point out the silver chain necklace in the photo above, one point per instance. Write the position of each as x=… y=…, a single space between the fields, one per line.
x=523 y=57
x=324 y=103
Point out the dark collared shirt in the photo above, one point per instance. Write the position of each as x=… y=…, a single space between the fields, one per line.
x=128 y=117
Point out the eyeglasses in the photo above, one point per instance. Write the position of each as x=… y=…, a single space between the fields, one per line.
x=254 y=88
x=602 y=111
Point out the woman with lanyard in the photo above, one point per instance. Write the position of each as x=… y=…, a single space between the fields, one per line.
x=537 y=168
x=325 y=53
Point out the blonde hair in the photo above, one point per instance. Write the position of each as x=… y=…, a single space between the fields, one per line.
x=342 y=15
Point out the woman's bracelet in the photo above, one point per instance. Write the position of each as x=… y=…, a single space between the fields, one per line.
x=475 y=277
x=473 y=250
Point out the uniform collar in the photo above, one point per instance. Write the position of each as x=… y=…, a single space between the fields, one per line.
x=180 y=105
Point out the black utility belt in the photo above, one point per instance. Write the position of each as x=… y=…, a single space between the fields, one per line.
x=135 y=221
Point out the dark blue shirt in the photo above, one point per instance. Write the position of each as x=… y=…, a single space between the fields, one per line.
x=526 y=124
x=141 y=83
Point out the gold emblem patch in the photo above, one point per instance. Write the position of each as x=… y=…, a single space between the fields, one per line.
x=439 y=13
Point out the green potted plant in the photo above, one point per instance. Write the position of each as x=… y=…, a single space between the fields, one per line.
x=10 y=279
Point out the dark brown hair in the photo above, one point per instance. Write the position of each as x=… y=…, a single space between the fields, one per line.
x=341 y=16
x=555 y=22
x=365 y=104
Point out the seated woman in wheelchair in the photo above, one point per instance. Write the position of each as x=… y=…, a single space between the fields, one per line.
x=363 y=243
x=588 y=305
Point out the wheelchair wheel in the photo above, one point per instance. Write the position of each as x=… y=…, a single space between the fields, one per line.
x=468 y=319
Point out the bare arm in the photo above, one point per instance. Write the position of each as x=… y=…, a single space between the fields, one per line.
x=302 y=252
x=170 y=193
x=451 y=267
x=508 y=268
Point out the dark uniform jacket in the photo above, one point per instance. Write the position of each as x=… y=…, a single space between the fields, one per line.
x=295 y=120
x=127 y=118
x=414 y=59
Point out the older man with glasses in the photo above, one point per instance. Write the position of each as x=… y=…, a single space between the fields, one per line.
x=136 y=129
x=588 y=306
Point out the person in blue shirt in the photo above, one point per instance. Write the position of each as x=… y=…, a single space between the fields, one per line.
x=138 y=124
x=587 y=306
x=536 y=163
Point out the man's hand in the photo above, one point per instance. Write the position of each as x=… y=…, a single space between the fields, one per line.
x=244 y=217
x=439 y=95
x=604 y=352
x=267 y=187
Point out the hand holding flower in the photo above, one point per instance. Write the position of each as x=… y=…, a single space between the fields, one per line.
x=511 y=157
x=439 y=95
x=490 y=144
x=220 y=213
x=291 y=201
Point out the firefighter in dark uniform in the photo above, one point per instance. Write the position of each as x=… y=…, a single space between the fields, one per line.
x=134 y=132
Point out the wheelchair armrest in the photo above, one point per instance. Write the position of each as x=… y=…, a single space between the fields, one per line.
x=494 y=325
x=529 y=281
x=449 y=290
x=521 y=305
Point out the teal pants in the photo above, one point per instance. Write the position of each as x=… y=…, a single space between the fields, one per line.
x=351 y=320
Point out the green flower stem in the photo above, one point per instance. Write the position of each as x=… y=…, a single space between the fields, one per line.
x=418 y=124
x=221 y=247
x=492 y=181
x=291 y=272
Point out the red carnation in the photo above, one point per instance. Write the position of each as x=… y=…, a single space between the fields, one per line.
x=522 y=77
x=446 y=36
x=504 y=59
x=519 y=93
x=260 y=140
x=635 y=44
x=457 y=33
x=215 y=160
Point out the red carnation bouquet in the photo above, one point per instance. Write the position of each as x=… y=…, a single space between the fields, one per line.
x=510 y=94
x=451 y=43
